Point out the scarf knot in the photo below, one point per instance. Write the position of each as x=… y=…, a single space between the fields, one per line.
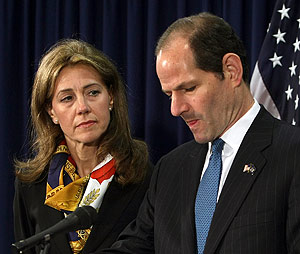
x=66 y=190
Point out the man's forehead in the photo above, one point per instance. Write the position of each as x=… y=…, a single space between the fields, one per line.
x=177 y=57
x=175 y=43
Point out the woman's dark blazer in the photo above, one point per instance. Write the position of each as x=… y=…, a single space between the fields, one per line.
x=119 y=207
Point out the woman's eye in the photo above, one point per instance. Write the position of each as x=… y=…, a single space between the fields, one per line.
x=94 y=92
x=66 y=98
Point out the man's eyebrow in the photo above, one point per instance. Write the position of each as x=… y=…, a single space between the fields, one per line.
x=181 y=86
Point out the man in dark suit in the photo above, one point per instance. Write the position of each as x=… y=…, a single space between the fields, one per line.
x=201 y=64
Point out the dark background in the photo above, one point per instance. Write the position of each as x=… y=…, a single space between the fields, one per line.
x=127 y=31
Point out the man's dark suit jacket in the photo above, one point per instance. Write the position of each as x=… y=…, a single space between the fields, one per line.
x=255 y=214
x=119 y=207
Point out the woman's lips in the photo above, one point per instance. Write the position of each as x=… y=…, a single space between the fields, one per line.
x=86 y=124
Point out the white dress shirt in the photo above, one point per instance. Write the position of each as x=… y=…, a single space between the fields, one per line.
x=233 y=138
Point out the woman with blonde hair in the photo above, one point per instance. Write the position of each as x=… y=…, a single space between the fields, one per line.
x=83 y=152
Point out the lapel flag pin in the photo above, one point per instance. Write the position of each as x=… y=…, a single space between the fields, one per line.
x=249 y=168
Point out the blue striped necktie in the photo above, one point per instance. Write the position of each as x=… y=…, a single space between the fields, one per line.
x=207 y=194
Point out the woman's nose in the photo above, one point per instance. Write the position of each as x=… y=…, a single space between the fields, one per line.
x=83 y=106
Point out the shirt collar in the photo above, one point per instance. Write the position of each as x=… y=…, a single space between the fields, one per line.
x=234 y=136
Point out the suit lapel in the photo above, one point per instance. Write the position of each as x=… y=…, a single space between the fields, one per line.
x=191 y=169
x=238 y=183
x=114 y=203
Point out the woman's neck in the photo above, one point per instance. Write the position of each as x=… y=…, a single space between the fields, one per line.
x=84 y=157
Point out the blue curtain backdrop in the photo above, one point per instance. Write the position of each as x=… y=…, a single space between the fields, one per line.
x=127 y=31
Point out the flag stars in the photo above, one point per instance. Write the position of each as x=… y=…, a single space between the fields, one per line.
x=293 y=69
x=279 y=36
x=276 y=60
x=289 y=93
x=284 y=12
x=280 y=63
x=296 y=45
x=296 y=102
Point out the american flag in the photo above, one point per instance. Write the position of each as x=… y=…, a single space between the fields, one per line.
x=275 y=82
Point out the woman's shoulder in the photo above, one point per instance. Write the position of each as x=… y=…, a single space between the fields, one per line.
x=38 y=183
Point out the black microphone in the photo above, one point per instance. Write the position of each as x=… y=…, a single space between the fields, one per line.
x=82 y=218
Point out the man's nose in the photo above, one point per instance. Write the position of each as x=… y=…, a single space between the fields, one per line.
x=178 y=105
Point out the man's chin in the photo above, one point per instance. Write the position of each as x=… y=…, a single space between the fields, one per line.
x=200 y=139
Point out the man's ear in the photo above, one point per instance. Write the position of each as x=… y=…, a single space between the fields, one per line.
x=232 y=68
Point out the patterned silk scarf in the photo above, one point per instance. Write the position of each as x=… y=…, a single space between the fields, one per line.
x=66 y=190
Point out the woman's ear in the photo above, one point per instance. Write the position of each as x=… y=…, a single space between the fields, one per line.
x=111 y=103
x=232 y=68
x=52 y=115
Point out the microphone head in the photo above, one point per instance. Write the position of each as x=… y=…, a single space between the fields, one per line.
x=86 y=217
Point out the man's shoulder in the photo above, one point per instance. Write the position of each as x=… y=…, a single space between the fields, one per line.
x=188 y=148
x=280 y=129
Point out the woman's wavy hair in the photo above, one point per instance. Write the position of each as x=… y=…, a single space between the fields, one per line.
x=131 y=155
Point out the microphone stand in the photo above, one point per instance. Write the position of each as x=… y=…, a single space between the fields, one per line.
x=81 y=218
x=45 y=244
